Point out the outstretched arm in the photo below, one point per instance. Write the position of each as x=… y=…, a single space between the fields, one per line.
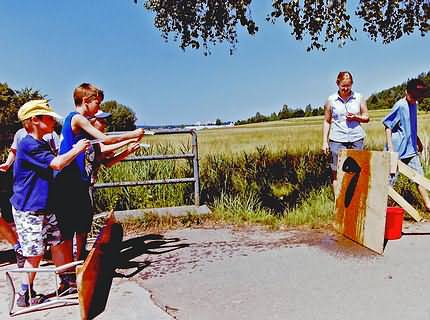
x=109 y=162
x=59 y=162
x=80 y=122
x=112 y=147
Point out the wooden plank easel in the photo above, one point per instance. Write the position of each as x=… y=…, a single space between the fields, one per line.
x=362 y=193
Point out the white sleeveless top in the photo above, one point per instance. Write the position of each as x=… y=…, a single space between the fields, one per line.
x=342 y=130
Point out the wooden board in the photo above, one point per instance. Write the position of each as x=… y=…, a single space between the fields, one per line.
x=94 y=277
x=413 y=175
x=404 y=204
x=361 y=196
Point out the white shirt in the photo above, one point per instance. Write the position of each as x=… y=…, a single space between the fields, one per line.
x=52 y=138
x=342 y=130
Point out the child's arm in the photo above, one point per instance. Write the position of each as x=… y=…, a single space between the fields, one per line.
x=80 y=122
x=59 y=162
x=419 y=144
x=112 y=147
x=122 y=155
x=9 y=161
x=389 y=139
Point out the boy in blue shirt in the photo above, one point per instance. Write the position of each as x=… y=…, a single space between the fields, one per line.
x=7 y=225
x=401 y=130
x=74 y=211
x=33 y=174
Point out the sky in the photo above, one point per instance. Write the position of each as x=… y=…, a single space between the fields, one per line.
x=53 y=46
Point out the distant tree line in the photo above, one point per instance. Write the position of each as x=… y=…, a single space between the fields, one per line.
x=284 y=113
x=384 y=99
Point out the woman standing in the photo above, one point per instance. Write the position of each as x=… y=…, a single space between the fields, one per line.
x=344 y=112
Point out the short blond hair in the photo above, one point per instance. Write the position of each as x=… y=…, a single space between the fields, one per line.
x=28 y=125
x=87 y=90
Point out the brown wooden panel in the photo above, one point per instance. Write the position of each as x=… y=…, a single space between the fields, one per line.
x=361 y=196
x=94 y=277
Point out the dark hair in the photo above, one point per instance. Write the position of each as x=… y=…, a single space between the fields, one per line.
x=417 y=89
x=342 y=75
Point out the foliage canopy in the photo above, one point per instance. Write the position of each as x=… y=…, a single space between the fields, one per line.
x=202 y=23
x=10 y=101
x=123 y=118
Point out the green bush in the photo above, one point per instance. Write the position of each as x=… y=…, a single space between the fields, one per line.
x=279 y=180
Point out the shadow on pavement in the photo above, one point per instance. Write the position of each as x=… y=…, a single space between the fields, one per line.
x=7 y=257
x=147 y=244
x=415 y=233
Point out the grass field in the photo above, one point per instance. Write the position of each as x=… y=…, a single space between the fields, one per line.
x=296 y=136
x=271 y=173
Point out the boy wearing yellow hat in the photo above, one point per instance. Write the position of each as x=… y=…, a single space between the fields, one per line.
x=7 y=225
x=33 y=175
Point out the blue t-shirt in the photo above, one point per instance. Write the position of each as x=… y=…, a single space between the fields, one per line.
x=32 y=175
x=402 y=120
x=76 y=169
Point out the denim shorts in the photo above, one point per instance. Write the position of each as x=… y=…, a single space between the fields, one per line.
x=412 y=162
x=35 y=231
x=335 y=148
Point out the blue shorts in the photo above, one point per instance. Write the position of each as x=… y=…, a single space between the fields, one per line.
x=412 y=162
x=335 y=148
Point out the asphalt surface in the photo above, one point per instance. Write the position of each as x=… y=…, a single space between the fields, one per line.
x=226 y=273
x=252 y=274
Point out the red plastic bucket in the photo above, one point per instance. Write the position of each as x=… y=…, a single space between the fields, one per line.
x=394 y=223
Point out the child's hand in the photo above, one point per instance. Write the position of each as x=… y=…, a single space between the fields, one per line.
x=138 y=133
x=135 y=139
x=420 y=146
x=82 y=145
x=133 y=147
x=4 y=167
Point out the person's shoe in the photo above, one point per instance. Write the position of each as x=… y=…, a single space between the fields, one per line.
x=24 y=299
x=67 y=287
x=20 y=259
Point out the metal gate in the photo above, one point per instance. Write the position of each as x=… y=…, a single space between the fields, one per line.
x=192 y=155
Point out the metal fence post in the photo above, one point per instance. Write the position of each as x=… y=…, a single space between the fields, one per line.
x=196 y=169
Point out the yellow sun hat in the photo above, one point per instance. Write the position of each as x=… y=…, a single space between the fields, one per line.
x=36 y=108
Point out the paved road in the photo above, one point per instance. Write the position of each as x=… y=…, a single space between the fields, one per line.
x=223 y=273
x=227 y=274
